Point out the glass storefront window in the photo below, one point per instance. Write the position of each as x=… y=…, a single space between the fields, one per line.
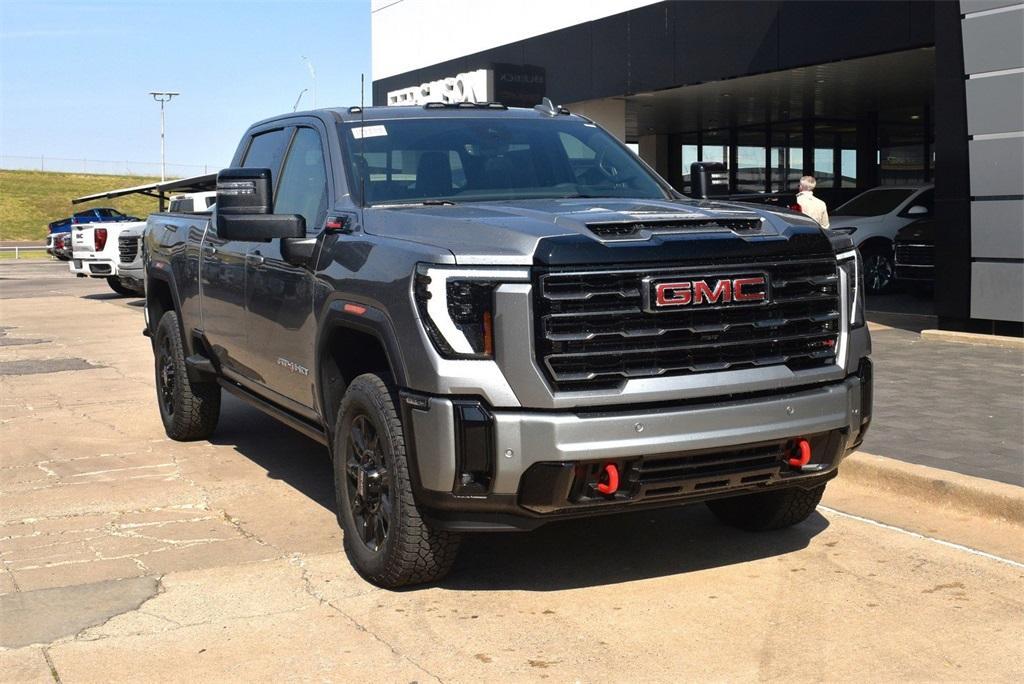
x=715 y=147
x=848 y=168
x=787 y=157
x=751 y=160
x=691 y=154
x=824 y=167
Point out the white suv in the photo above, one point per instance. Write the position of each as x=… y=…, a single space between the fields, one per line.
x=872 y=218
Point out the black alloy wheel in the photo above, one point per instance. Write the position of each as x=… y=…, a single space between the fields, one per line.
x=879 y=271
x=166 y=376
x=368 y=482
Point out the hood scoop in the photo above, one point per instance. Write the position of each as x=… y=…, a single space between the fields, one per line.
x=644 y=229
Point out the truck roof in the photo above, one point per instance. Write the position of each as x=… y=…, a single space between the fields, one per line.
x=430 y=110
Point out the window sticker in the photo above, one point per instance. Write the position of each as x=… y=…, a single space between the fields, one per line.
x=369 y=132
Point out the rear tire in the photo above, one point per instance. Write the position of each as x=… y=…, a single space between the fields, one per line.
x=189 y=410
x=385 y=537
x=117 y=286
x=767 y=510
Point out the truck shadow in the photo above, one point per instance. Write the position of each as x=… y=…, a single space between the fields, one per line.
x=619 y=548
x=561 y=555
x=285 y=454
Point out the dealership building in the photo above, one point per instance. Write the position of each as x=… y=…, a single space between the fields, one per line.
x=858 y=94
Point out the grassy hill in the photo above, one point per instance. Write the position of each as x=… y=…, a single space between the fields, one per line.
x=31 y=199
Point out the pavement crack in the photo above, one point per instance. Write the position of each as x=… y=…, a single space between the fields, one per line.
x=49 y=664
x=307 y=585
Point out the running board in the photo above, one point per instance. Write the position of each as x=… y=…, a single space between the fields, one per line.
x=294 y=422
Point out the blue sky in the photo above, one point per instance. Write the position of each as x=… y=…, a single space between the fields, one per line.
x=74 y=76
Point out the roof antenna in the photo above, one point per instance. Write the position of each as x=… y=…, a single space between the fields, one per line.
x=362 y=139
x=548 y=107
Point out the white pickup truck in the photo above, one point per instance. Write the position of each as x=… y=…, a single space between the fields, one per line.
x=95 y=252
x=111 y=250
x=130 y=270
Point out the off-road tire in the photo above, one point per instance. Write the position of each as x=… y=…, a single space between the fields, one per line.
x=189 y=410
x=767 y=510
x=117 y=286
x=411 y=551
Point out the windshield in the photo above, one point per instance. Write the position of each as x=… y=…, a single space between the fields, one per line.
x=873 y=203
x=479 y=159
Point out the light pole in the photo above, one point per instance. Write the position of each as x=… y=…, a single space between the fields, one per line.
x=303 y=92
x=162 y=97
x=312 y=72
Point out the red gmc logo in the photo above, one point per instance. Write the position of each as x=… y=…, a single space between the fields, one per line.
x=745 y=290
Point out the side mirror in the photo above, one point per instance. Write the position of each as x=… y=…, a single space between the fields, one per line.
x=708 y=179
x=917 y=210
x=244 y=208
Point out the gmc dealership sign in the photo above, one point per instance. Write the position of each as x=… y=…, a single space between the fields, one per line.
x=514 y=85
x=475 y=86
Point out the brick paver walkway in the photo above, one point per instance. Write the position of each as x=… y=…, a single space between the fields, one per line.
x=954 y=406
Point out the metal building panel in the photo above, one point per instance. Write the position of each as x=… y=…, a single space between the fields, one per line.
x=997 y=166
x=997 y=229
x=996 y=291
x=995 y=104
x=993 y=42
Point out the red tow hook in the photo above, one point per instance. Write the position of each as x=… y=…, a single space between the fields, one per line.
x=800 y=453
x=608 y=480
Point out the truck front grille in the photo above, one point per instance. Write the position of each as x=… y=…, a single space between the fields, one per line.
x=128 y=248
x=915 y=255
x=594 y=332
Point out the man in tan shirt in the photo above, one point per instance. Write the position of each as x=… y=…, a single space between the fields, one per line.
x=809 y=204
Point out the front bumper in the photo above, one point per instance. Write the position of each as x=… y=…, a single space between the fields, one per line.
x=519 y=468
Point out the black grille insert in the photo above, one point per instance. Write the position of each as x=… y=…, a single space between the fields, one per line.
x=633 y=229
x=128 y=249
x=592 y=330
x=916 y=255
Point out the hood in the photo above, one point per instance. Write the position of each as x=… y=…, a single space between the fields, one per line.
x=595 y=230
x=921 y=232
x=847 y=221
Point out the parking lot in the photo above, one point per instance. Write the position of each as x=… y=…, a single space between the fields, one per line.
x=131 y=557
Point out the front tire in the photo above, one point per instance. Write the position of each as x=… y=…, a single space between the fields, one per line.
x=189 y=410
x=879 y=269
x=385 y=537
x=764 y=511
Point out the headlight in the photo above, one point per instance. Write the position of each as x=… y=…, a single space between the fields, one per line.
x=849 y=262
x=457 y=307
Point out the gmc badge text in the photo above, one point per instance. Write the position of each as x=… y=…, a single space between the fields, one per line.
x=494 y=318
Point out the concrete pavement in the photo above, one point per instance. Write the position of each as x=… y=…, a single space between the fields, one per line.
x=130 y=557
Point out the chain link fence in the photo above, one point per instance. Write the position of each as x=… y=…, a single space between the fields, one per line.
x=101 y=166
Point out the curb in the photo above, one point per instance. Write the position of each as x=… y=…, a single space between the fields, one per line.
x=973 y=338
x=973 y=495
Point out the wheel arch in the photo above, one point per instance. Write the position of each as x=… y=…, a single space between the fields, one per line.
x=353 y=339
x=876 y=243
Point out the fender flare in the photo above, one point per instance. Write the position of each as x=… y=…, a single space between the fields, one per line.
x=363 y=318
x=161 y=270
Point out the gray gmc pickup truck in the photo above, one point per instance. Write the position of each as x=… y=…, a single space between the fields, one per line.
x=495 y=318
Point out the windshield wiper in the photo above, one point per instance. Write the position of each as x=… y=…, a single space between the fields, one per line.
x=417 y=203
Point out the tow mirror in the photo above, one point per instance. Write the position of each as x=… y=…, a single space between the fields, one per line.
x=708 y=179
x=244 y=208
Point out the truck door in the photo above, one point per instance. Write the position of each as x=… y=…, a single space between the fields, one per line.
x=281 y=325
x=222 y=272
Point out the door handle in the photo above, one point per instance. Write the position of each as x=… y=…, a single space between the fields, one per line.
x=256 y=259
